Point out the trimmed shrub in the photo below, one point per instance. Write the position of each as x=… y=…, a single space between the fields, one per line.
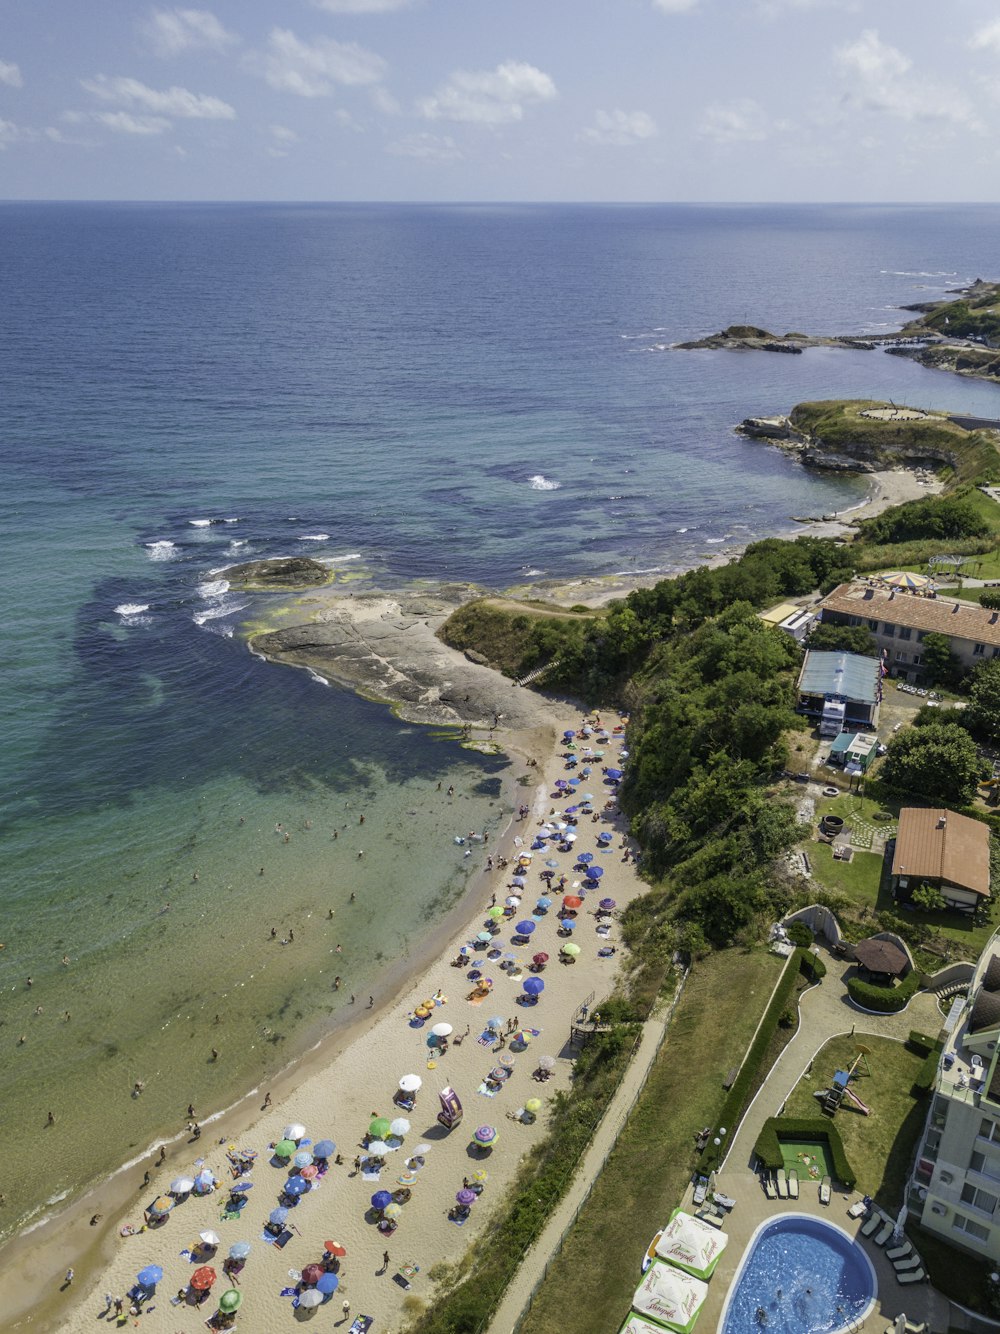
x=779 y=1129
x=885 y=1000
x=927 y=1073
x=736 y=1100
x=923 y=1042
x=812 y=967
x=799 y=934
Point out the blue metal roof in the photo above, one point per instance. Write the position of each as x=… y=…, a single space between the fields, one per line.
x=847 y=674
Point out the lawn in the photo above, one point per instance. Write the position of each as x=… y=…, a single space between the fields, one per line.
x=879 y=1146
x=597 y=1269
x=859 y=878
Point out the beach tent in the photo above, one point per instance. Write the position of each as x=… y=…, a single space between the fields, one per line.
x=691 y=1245
x=670 y=1296
x=637 y=1324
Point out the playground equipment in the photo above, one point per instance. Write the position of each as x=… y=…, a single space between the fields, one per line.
x=834 y=1096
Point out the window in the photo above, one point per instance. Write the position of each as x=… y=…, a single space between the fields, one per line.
x=979 y=650
x=979 y=1199
x=973 y=1229
x=989 y=1130
x=917 y=659
x=888 y=629
x=854 y=620
x=899 y=656
x=873 y=625
x=920 y=636
x=904 y=632
x=984 y=1164
x=996 y=653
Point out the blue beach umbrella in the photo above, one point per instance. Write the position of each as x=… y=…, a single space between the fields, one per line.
x=614 y=774
x=279 y=1217
x=567 y=924
x=495 y=1022
x=240 y=1187
x=518 y=880
x=534 y=986
x=327 y=1283
x=595 y=872
x=239 y=1250
x=586 y=796
x=325 y=1148
x=525 y=928
x=303 y=1158
x=296 y=1186
x=544 y=903
x=552 y=863
x=585 y=858
x=569 y=733
x=574 y=781
x=380 y=1199
x=149 y=1277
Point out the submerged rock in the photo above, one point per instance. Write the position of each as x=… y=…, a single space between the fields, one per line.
x=283 y=573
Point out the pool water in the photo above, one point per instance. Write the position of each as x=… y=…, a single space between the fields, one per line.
x=800 y=1275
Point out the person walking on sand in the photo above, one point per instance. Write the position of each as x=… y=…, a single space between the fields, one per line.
x=267 y=1100
x=70 y=1276
x=371 y=1001
x=385 y=1262
x=346 y=1308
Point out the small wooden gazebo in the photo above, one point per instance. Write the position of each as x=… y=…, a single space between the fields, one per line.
x=880 y=959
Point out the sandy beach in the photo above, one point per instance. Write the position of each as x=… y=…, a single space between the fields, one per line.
x=335 y=1095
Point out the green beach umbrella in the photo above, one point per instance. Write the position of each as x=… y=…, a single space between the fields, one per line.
x=379 y=1128
x=230 y=1300
x=285 y=1148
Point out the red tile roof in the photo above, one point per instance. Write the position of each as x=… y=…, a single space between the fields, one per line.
x=943 y=616
x=940 y=845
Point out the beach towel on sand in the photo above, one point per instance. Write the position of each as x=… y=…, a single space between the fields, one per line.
x=486 y=1038
x=487 y=1092
x=368 y=1174
x=362 y=1324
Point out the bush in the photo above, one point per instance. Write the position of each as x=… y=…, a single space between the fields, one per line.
x=799 y=934
x=884 y=1000
x=812 y=968
x=814 y=1129
x=927 y=1073
x=734 y=1106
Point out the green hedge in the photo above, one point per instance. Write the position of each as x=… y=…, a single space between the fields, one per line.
x=812 y=1129
x=738 y=1096
x=923 y=1041
x=927 y=1073
x=886 y=1000
x=812 y=967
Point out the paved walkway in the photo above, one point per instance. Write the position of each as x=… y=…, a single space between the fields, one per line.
x=536 y=1261
x=824 y=1012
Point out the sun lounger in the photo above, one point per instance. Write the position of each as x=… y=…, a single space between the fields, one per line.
x=824 y=1191
x=911 y=1262
x=900 y=1252
x=872 y=1225
x=857 y=1208
x=767 y=1182
x=883 y=1236
x=781 y=1182
x=793 y=1184
x=911 y=1276
x=723 y=1201
x=710 y=1217
x=700 y=1190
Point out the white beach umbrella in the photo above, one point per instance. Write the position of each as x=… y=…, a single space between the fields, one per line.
x=311 y=1297
x=294 y=1131
x=400 y=1127
x=420 y=1150
x=410 y=1083
x=210 y=1238
x=182 y=1186
x=378 y=1148
x=442 y=1030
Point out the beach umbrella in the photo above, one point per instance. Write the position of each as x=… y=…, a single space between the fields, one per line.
x=595 y=872
x=182 y=1186
x=309 y=1173
x=561 y=784
x=614 y=774
x=540 y=958
x=378 y=1148
x=380 y=1199
x=378 y=1127
x=407 y=1178
x=325 y=1148
x=239 y=1250
x=480 y=1176
x=546 y=1062
x=570 y=838
x=303 y=1158
x=296 y=1186
x=569 y=734
x=230 y=1300
x=572 y=901
x=905 y=579
x=312 y=1273
x=519 y=880
x=466 y=1196
x=507 y=1061
x=392 y=1211
x=524 y=1036
x=162 y=1205
x=552 y=863
x=534 y=986
x=421 y=1149
x=149 y=1277
x=205 y=1180
x=410 y=1083
x=400 y=1127
x=567 y=924
x=571 y=949
x=585 y=858
x=486 y=1136
x=203 y=1278
x=586 y=796
x=606 y=904
x=278 y=1217
x=241 y=1188
x=327 y=1283
x=496 y=912
x=544 y=902
x=533 y=1105
x=284 y=1148
x=310 y=1298
x=442 y=1030
x=294 y=1131
x=525 y=928
x=335 y=1248
x=484 y=936
x=495 y=1022
x=209 y=1238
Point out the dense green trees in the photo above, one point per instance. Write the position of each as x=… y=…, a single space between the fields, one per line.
x=940 y=664
x=843 y=639
x=937 y=762
x=983 y=713
x=934 y=516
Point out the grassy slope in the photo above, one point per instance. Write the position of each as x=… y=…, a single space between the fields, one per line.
x=648 y=1170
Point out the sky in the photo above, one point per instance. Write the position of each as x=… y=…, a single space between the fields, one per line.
x=501 y=100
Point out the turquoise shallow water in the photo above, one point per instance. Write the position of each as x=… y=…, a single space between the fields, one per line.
x=433 y=393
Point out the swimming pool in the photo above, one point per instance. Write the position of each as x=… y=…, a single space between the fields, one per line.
x=800 y=1275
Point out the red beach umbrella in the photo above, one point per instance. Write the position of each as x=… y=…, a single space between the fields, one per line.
x=203 y=1278
x=572 y=901
x=312 y=1273
x=334 y=1248
x=541 y=957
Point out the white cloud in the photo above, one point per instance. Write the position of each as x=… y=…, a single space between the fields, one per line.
x=621 y=128
x=125 y=123
x=360 y=6
x=742 y=121
x=311 y=69
x=9 y=133
x=426 y=147
x=284 y=135
x=489 y=97
x=675 y=6
x=987 y=38
x=881 y=81
x=11 y=76
x=348 y=122
x=168 y=102
x=171 y=31
x=384 y=101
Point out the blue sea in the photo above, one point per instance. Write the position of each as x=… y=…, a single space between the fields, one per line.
x=481 y=393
